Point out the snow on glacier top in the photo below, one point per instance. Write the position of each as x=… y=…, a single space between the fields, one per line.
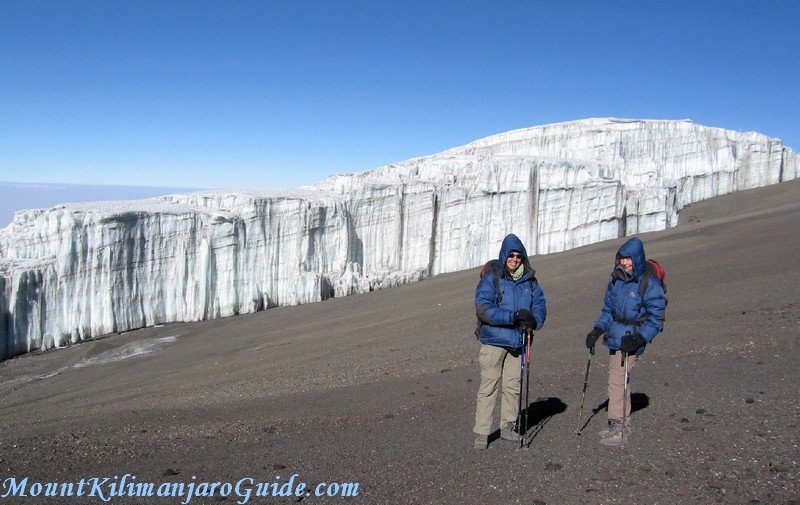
x=172 y=204
x=455 y=166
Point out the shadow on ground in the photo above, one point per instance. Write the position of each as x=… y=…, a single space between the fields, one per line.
x=536 y=417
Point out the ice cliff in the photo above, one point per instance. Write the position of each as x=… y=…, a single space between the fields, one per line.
x=76 y=271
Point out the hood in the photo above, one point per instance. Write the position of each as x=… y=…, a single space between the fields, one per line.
x=633 y=249
x=513 y=243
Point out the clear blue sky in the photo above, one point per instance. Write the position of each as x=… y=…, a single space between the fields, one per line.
x=270 y=94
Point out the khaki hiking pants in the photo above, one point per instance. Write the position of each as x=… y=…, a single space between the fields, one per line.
x=616 y=389
x=495 y=363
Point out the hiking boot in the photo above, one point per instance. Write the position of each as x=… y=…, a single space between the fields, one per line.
x=607 y=430
x=614 y=435
x=481 y=442
x=507 y=432
x=609 y=427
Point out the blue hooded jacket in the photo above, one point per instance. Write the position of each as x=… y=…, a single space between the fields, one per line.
x=497 y=317
x=624 y=311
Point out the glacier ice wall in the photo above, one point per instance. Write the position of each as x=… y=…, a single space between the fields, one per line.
x=76 y=271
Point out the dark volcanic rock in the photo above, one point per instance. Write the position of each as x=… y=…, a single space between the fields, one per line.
x=314 y=385
x=780 y=465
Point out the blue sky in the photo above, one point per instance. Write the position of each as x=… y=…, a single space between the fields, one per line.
x=273 y=94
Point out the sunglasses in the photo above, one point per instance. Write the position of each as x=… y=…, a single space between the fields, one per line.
x=515 y=256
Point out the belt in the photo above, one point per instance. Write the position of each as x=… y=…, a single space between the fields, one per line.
x=632 y=322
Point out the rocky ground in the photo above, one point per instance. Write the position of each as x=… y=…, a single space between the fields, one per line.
x=380 y=388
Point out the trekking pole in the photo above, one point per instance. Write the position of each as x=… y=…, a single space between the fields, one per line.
x=583 y=395
x=523 y=415
x=529 y=336
x=521 y=376
x=624 y=400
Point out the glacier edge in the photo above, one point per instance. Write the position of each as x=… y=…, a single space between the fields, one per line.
x=77 y=271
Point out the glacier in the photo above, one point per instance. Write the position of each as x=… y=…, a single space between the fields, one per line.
x=77 y=271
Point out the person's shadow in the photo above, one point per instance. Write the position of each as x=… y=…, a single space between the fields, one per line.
x=639 y=401
x=535 y=417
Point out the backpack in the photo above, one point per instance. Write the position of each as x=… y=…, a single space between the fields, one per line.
x=652 y=269
x=492 y=267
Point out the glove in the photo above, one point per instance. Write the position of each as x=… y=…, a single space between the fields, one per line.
x=632 y=342
x=592 y=337
x=525 y=319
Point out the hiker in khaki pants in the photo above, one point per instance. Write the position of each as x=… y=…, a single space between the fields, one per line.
x=632 y=315
x=507 y=298
x=496 y=362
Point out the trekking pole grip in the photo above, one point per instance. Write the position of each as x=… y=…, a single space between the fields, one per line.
x=529 y=335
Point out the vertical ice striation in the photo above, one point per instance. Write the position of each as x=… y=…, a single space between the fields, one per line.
x=77 y=271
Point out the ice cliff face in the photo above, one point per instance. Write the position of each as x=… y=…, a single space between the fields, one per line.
x=81 y=270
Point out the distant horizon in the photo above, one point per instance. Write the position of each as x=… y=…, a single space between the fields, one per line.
x=323 y=176
x=17 y=196
x=46 y=194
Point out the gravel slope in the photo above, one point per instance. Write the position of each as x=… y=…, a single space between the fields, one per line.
x=379 y=388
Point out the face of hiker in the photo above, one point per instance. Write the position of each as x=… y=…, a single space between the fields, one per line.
x=513 y=261
x=626 y=264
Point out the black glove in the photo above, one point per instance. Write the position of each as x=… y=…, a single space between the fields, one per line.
x=632 y=342
x=592 y=337
x=525 y=319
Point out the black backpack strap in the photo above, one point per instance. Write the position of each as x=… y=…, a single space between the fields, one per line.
x=490 y=268
x=496 y=276
x=644 y=281
x=494 y=271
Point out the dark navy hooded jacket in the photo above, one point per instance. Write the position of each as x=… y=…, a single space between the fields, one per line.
x=623 y=300
x=497 y=318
